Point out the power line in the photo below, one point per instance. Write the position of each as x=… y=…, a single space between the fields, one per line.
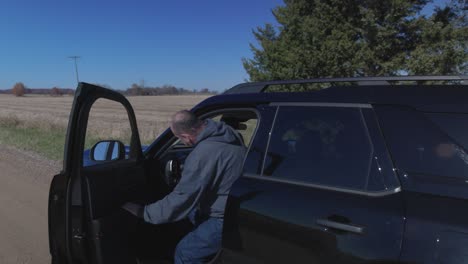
x=76 y=67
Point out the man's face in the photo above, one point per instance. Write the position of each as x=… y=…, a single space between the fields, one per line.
x=187 y=139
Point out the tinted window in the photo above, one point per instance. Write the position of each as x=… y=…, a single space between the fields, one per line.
x=454 y=125
x=420 y=146
x=321 y=145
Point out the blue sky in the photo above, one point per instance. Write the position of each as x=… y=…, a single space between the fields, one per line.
x=190 y=44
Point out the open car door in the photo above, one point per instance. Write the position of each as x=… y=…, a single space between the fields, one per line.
x=86 y=222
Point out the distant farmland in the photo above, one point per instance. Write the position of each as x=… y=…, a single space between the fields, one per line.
x=50 y=114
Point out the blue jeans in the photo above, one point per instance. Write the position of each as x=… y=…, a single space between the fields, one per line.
x=200 y=245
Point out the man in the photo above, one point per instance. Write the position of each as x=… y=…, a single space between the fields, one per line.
x=209 y=172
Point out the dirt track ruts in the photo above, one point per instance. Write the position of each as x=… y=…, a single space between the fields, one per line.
x=24 y=187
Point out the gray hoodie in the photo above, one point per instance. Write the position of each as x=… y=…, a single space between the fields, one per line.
x=209 y=172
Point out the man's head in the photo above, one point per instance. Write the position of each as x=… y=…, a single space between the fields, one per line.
x=186 y=126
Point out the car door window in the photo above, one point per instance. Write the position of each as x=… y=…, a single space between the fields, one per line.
x=245 y=127
x=320 y=145
x=108 y=120
x=243 y=121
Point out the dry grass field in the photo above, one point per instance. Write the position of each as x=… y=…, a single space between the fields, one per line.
x=37 y=114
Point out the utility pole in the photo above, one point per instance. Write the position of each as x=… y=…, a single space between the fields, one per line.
x=76 y=67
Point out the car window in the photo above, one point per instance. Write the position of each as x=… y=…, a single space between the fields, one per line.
x=454 y=125
x=246 y=128
x=243 y=121
x=108 y=120
x=320 y=145
x=420 y=145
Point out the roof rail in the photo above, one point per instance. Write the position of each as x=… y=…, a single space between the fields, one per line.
x=258 y=87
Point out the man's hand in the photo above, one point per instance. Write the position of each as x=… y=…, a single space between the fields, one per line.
x=134 y=209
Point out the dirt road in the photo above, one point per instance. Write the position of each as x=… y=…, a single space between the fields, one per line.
x=24 y=187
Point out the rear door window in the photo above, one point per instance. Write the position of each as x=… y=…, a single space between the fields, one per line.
x=320 y=145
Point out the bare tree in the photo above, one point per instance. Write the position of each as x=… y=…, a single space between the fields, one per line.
x=18 y=89
x=56 y=92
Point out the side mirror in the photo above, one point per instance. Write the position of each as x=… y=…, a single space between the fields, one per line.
x=108 y=150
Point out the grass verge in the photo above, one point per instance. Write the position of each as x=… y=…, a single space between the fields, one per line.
x=48 y=143
x=47 y=140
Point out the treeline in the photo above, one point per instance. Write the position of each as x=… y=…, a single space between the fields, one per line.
x=137 y=89
x=54 y=91
x=19 y=89
x=47 y=91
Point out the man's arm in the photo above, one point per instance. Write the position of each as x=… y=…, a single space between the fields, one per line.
x=196 y=176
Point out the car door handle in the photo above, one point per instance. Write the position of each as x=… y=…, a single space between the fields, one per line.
x=341 y=226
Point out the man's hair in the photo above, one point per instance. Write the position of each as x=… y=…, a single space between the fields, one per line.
x=185 y=122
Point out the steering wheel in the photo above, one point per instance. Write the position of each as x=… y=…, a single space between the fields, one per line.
x=172 y=173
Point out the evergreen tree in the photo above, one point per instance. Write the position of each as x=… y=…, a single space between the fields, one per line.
x=442 y=42
x=347 y=38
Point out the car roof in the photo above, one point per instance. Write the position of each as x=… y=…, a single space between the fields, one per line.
x=439 y=97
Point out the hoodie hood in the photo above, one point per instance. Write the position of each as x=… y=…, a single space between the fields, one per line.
x=219 y=132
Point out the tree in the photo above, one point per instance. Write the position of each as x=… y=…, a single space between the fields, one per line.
x=348 y=38
x=56 y=92
x=135 y=89
x=18 y=89
x=443 y=42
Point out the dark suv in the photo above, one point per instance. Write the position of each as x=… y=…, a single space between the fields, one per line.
x=356 y=170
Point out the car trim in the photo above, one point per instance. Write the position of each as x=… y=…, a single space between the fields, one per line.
x=324 y=187
x=260 y=87
x=340 y=226
x=371 y=143
x=321 y=104
x=269 y=138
